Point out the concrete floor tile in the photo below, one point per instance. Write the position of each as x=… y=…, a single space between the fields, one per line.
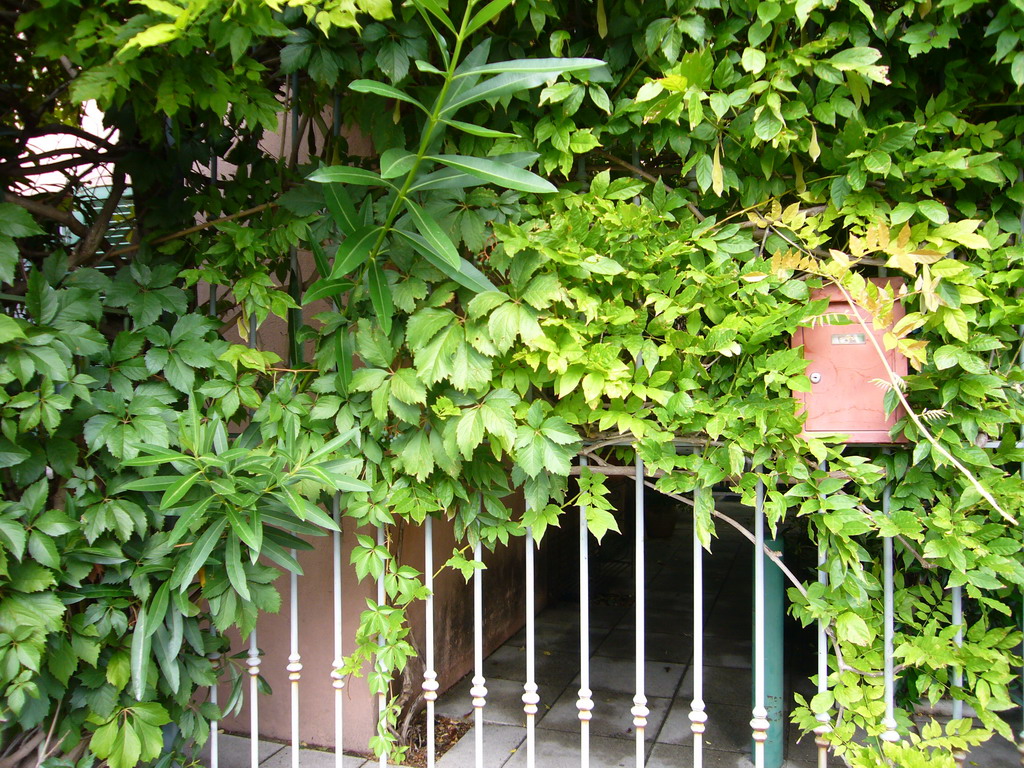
x=722 y=685
x=602 y=616
x=557 y=749
x=995 y=751
x=609 y=674
x=669 y=756
x=501 y=742
x=553 y=670
x=728 y=651
x=234 y=751
x=673 y=648
x=559 y=638
x=611 y=714
x=727 y=728
x=504 y=701
x=313 y=758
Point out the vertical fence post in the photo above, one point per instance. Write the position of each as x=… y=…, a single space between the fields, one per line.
x=294 y=666
x=698 y=717
x=337 y=678
x=253 y=663
x=214 y=724
x=824 y=727
x=774 y=611
x=959 y=755
x=585 y=701
x=430 y=685
x=640 y=710
x=478 y=691
x=253 y=660
x=530 y=697
x=759 y=722
x=889 y=618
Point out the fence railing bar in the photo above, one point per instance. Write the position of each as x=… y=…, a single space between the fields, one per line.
x=478 y=691
x=824 y=726
x=253 y=664
x=698 y=717
x=585 y=700
x=959 y=755
x=759 y=722
x=294 y=663
x=382 y=694
x=640 y=710
x=430 y=685
x=337 y=678
x=530 y=697
x=889 y=624
x=214 y=724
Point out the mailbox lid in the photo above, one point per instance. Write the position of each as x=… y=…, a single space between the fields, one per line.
x=842 y=364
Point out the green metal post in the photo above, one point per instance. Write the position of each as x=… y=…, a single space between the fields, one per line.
x=774 y=681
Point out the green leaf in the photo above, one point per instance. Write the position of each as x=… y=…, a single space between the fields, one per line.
x=10 y=454
x=504 y=175
x=326 y=289
x=753 y=60
x=199 y=554
x=466 y=275
x=339 y=203
x=485 y=14
x=435 y=9
x=407 y=387
x=935 y=211
x=347 y=174
x=15 y=221
x=476 y=130
x=354 y=251
x=140 y=654
x=600 y=521
x=176 y=491
x=548 y=68
x=495 y=87
x=853 y=629
x=382 y=89
x=855 y=58
x=236 y=572
x=396 y=162
x=10 y=329
x=380 y=297
x=435 y=237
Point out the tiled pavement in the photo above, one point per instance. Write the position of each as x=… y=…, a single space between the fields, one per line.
x=668 y=673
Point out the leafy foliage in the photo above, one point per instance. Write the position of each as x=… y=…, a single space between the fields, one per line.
x=716 y=162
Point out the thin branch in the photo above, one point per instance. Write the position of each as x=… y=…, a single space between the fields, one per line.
x=72 y=130
x=89 y=244
x=648 y=176
x=65 y=218
x=191 y=230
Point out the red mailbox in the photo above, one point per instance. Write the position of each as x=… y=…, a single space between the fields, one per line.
x=842 y=366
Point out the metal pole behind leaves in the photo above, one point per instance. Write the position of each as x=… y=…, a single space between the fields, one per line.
x=585 y=700
x=478 y=691
x=889 y=619
x=530 y=697
x=759 y=722
x=640 y=710
x=698 y=717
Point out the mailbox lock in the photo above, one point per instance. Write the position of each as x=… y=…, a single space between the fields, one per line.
x=815 y=377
